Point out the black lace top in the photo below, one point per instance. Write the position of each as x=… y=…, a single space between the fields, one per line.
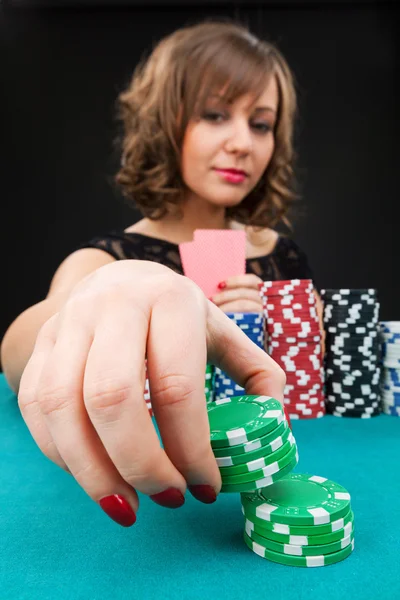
x=286 y=261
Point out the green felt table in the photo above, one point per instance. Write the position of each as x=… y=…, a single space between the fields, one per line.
x=56 y=543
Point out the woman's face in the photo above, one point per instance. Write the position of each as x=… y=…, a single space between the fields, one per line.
x=229 y=137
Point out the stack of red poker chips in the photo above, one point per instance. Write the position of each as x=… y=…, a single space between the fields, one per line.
x=293 y=339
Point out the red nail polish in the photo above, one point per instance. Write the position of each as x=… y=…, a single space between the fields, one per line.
x=118 y=509
x=222 y=285
x=170 y=498
x=204 y=493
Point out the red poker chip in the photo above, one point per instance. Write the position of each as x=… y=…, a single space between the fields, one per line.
x=277 y=324
x=303 y=333
x=300 y=417
x=305 y=383
x=273 y=319
x=298 y=392
x=286 y=316
x=274 y=324
x=305 y=395
x=289 y=290
x=313 y=385
x=289 y=294
x=295 y=350
x=281 y=283
x=298 y=304
x=297 y=364
x=293 y=341
x=300 y=358
x=289 y=306
x=313 y=400
x=305 y=411
x=284 y=328
x=288 y=368
x=299 y=367
x=315 y=403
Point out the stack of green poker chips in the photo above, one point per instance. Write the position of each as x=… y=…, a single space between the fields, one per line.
x=209 y=383
x=301 y=520
x=252 y=442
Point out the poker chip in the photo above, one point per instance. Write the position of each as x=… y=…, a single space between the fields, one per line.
x=389 y=337
x=261 y=483
x=270 y=441
x=301 y=520
x=279 y=437
x=308 y=532
x=240 y=419
x=352 y=360
x=252 y=324
x=293 y=519
x=314 y=539
x=296 y=549
x=299 y=499
x=269 y=468
x=293 y=340
x=299 y=561
x=252 y=442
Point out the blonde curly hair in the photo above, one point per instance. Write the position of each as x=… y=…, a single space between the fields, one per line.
x=171 y=86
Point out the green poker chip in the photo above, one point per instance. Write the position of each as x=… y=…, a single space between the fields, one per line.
x=299 y=500
x=302 y=540
x=267 y=470
x=240 y=419
x=259 y=463
x=298 y=550
x=299 y=561
x=268 y=441
x=261 y=483
x=310 y=531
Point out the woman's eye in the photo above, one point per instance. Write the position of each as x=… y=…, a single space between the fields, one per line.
x=211 y=116
x=263 y=127
x=214 y=117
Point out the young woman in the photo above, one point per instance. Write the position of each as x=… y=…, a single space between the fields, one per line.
x=208 y=124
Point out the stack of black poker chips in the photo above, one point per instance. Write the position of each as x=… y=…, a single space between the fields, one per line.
x=352 y=358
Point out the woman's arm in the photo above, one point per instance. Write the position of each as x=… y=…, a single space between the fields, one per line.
x=19 y=339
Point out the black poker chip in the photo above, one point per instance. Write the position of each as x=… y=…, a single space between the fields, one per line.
x=352 y=360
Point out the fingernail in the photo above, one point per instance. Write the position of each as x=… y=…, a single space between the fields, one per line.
x=118 y=509
x=170 y=498
x=204 y=493
x=222 y=285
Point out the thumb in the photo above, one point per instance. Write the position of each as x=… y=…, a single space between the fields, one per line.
x=229 y=348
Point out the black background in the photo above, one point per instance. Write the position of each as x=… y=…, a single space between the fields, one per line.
x=61 y=71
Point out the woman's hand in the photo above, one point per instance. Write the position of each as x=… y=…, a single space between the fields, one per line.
x=239 y=294
x=82 y=391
